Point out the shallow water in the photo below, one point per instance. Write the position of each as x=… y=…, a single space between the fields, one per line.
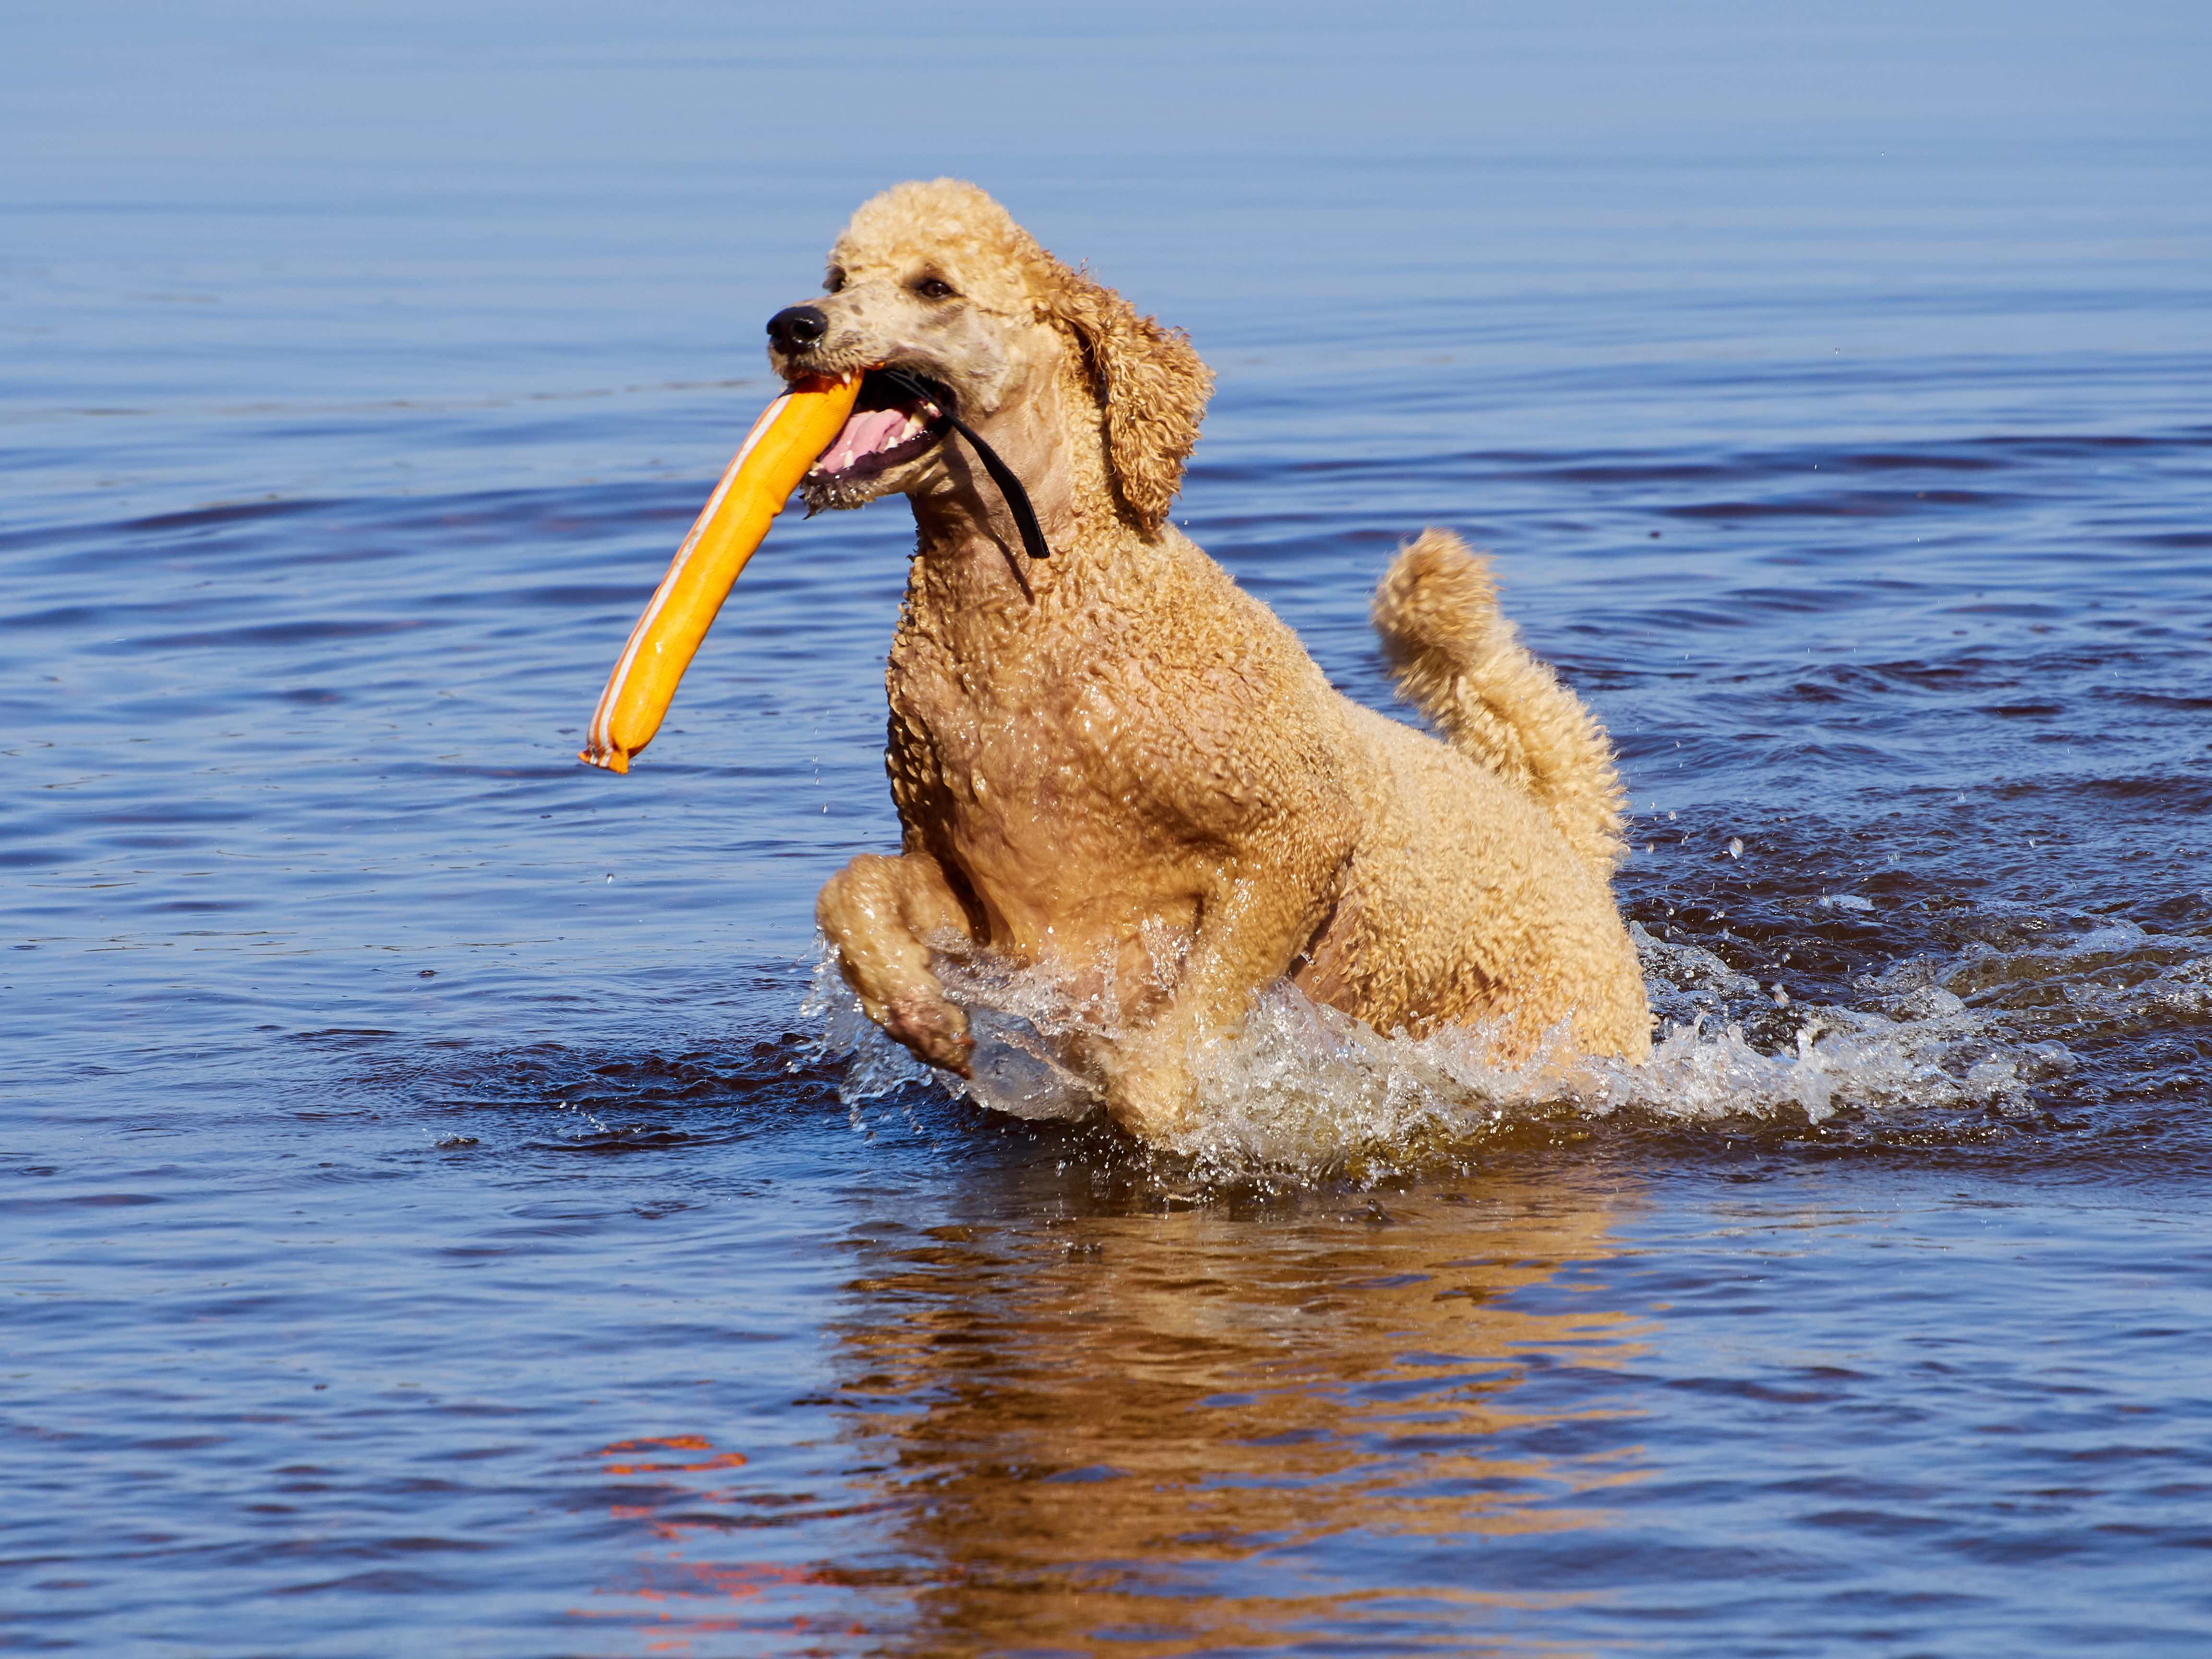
x=433 y=1220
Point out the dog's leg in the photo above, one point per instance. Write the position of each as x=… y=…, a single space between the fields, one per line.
x=877 y=912
x=1252 y=924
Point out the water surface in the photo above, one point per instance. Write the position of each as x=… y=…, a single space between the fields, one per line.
x=432 y=1222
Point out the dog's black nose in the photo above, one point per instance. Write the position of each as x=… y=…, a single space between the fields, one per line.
x=797 y=327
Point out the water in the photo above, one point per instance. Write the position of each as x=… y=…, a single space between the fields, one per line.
x=432 y=1222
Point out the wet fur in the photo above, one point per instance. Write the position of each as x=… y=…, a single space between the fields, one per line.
x=1116 y=746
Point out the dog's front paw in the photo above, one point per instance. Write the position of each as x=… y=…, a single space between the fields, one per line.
x=933 y=1028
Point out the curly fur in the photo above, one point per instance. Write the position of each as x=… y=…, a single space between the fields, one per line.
x=1149 y=381
x=1114 y=762
x=1456 y=659
x=1152 y=383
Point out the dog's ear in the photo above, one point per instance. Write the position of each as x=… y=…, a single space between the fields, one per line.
x=1148 y=380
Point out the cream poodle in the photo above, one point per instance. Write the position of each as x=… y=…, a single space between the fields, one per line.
x=1112 y=764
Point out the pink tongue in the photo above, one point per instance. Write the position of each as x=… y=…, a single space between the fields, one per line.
x=865 y=432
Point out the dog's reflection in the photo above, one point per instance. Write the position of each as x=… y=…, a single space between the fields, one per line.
x=1178 y=1429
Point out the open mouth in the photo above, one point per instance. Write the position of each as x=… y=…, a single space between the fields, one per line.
x=890 y=425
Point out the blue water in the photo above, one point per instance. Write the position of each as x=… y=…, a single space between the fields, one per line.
x=431 y=1218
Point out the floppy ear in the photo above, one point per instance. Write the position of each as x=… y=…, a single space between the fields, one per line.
x=1148 y=379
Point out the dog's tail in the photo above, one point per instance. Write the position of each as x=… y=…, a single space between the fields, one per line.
x=1461 y=663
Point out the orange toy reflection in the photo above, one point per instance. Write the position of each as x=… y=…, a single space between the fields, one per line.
x=683 y=1442
x=664 y=1589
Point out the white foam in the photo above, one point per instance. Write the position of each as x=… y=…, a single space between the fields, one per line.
x=1304 y=1089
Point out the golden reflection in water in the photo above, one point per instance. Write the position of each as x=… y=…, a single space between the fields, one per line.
x=1115 y=1428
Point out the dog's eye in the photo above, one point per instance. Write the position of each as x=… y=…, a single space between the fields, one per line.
x=835 y=282
x=933 y=288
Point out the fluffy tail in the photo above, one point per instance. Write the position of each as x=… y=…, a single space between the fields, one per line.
x=1460 y=662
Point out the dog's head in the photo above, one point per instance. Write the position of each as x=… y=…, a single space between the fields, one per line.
x=937 y=280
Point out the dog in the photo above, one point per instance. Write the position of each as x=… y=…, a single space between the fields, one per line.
x=1112 y=763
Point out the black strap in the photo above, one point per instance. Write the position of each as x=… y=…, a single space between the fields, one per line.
x=1010 y=487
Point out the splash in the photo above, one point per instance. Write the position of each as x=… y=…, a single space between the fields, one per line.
x=1305 y=1089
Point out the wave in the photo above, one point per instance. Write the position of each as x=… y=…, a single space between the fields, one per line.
x=1939 y=1046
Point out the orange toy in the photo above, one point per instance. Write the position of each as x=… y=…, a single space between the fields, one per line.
x=790 y=435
